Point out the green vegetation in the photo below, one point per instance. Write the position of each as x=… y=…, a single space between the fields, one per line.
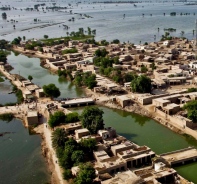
x=54 y=41
x=67 y=174
x=1 y=79
x=7 y=117
x=173 y=14
x=169 y=29
x=18 y=93
x=101 y=52
x=69 y=152
x=16 y=41
x=56 y=118
x=72 y=117
x=3 y=56
x=59 y=138
x=141 y=84
x=4 y=15
x=65 y=74
x=144 y=69
x=46 y=36
x=30 y=77
x=59 y=117
x=86 y=174
x=191 y=108
x=189 y=90
x=92 y=119
x=166 y=36
x=85 y=79
x=69 y=51
x=51 y=90
x=33 y=44
x=116 y=41
x=4 y=44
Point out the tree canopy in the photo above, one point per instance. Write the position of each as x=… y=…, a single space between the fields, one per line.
x=51 y=90
x=3 y=56
x=86 y=174
x=59 y=138
x=101 y=52
x=141 y=84
x=191 y=108
x=56 y=118
x=85 y=79
x=30 y=77
x=92 y=119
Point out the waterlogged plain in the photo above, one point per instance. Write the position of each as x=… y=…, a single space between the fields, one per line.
x=107 y=19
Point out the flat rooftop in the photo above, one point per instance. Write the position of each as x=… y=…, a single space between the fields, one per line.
x=126 y=177
x=180 y=155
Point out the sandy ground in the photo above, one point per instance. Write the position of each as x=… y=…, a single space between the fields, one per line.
x=48 y=151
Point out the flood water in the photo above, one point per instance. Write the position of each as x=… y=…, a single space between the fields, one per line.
x=107 y=19
x=145 y=131
x=6 y=87
x=21 y=160
x=139 y=129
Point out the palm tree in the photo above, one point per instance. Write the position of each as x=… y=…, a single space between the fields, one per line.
x=59 y=138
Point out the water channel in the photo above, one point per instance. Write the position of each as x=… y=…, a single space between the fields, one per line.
x=139 y=129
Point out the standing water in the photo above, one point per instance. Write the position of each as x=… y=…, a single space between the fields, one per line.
x=21 y=160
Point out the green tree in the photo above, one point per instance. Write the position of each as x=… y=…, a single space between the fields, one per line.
x=192 y=114
x=101 y=52
x=65 y=160
x=88 y=144
x=128 y=77
x=56 y=118
x=72 y=117
x=46 y=36
x=51 y=90
x=192 y=105
x=30 y=77
x=92 y=119
x=77 y=156
x=116 y=41
x=141 y=84
x=3 y=56
x=59 y=138
x=86 y=174
x=16 y=41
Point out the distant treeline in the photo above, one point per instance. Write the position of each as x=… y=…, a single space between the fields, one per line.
x=117 y=2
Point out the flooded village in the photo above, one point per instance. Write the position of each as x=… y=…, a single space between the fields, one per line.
x=171 y=67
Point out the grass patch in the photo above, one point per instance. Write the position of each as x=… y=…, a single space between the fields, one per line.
x=7 y=117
